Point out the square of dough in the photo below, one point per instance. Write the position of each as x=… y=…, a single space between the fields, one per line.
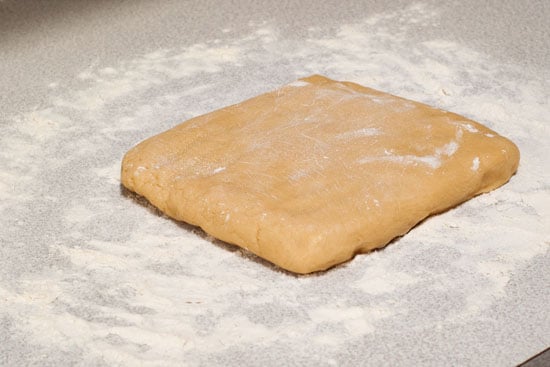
x=317 y=171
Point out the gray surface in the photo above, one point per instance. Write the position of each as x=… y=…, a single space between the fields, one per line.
x=37 y=35
x=89 y=275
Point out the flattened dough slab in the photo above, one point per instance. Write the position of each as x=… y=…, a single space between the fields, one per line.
x=317 y=171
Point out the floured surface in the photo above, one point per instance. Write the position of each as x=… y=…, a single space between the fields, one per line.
x=317 y=171
x=87 y=277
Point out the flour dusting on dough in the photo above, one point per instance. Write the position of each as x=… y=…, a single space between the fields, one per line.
x=475 y=164
x=218 y=170
x=298 y=83
x=367 y=131
x=432 y=161
x=470 y=128
x=448 y=149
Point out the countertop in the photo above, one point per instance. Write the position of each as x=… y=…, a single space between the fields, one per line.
x=92 y=275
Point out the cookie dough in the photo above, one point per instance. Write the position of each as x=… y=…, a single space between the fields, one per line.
x=317 y=171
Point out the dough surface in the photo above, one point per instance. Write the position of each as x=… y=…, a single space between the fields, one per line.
x=317 y=171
